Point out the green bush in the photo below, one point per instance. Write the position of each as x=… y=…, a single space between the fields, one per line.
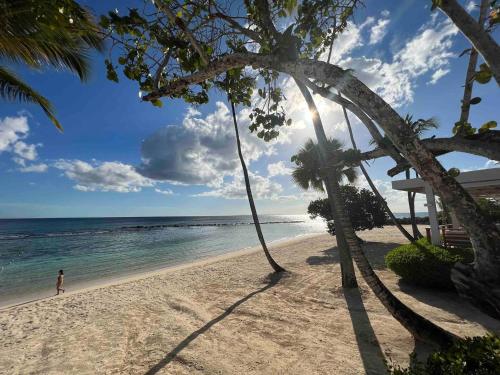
x=424 y=264
x=471 y=356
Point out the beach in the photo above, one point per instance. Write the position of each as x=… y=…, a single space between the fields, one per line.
x=228 y=315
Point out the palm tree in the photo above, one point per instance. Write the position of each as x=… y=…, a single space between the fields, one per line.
x=308 y=173
x=332 y=188
x=41 y=33
x=276 y=267
x=374 y=188
x=417 y=325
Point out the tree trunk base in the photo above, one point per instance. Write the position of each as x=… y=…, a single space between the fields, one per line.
x=485 y=296
x=347 y=281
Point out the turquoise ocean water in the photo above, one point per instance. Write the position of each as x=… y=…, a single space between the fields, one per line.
x=99 y=249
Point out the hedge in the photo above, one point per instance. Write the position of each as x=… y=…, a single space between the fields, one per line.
x=424 y=264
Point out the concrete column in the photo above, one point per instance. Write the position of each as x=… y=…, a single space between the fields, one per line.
x=433 y=220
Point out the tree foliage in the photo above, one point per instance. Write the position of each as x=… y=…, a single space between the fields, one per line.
x=361 y=205
x=470 y=356
x=40 y=33
x=308 y=172
x=166 y=40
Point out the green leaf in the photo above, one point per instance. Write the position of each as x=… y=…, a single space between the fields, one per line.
x=484 y=74
x=157 y=103
x=487 y=126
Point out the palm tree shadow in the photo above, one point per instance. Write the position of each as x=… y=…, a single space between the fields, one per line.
x=272 y=279
x=331 y=256
x=369 y=347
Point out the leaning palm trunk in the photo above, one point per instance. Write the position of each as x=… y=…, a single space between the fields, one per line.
x=421 y=328
x=347 y=268
x=416 y=324
x=372 y=185
x=272 y=262
x=411 y=204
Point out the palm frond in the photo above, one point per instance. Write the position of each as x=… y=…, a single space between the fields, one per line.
x=36 y=33
x=13 y=88
x=351 y=174
x=308 y=173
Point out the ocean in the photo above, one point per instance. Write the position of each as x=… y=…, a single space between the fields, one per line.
x=93 y=250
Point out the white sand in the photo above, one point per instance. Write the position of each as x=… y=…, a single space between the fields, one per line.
x=223 y=316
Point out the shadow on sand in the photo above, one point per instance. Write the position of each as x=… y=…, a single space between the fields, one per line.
x=331 y=256
x=369 y=347
x=272 y=280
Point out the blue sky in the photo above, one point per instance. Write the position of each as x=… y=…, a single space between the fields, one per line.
x=400 y=49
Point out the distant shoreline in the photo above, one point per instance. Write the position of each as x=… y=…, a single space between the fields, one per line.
x=134 y=276
x=397 y=214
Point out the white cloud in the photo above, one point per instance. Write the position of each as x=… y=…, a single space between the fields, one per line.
x=437 y=75
x=202 y=150
x=35 y=168
x=12 y=129
x=262 y=188
x=25 y=151
x=491 y=164
x=471 y=5
x=278 y=169
x=378 y=32
x=107 y=176
x=429 y=51
x=164 y=192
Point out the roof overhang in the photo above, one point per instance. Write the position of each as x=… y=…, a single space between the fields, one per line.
x=480 y=183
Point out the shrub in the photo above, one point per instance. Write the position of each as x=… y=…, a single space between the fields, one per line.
x=471 y=356
x=424 y=264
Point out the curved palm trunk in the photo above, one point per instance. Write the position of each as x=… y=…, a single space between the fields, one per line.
x=372 y=185
x=272 y=262
x=346 y=266
x=416 y=324
x=411 y=204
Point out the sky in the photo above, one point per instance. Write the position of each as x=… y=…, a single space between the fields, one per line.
x=119 y=156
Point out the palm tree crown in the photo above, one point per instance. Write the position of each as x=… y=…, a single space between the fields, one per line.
x=309 y=174
x=40 y=33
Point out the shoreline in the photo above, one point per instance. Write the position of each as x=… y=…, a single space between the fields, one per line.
x=127 y=278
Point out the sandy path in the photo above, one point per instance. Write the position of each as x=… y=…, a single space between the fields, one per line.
x=228 y=317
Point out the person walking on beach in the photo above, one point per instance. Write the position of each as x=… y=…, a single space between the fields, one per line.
x=60 y=281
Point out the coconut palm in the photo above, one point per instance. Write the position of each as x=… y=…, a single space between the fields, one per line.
x=308 y=173
x=44 y=33
x=332 y=187
x=276 y=267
